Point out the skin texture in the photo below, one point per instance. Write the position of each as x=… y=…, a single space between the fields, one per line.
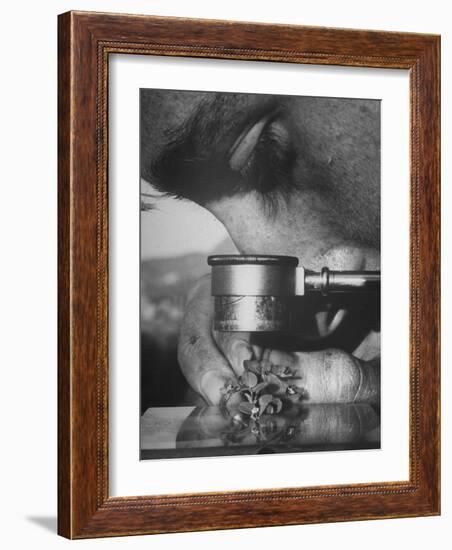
x=289 y=176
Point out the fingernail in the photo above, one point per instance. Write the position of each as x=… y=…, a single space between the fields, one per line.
x=241 y=352
x=211 y=385
x=257 y=350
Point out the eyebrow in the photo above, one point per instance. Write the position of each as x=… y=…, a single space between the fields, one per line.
x=194 y=164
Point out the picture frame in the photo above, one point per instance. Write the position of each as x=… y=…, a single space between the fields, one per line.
x=85 y=42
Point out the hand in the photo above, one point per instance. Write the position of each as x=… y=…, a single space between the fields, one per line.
x=212 y=360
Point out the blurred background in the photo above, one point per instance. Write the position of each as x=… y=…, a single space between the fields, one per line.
x=176 y=238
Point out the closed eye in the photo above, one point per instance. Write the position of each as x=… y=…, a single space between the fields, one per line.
x=269 y=165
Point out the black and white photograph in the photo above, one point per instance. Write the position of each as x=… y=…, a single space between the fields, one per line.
x=259 y=273
x=222 y=314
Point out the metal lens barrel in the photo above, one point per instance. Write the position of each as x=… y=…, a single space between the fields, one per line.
x=252 y=293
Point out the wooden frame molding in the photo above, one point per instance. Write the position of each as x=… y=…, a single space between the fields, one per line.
x=85 y=42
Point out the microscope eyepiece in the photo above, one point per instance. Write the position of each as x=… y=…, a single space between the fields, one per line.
x=255 y=293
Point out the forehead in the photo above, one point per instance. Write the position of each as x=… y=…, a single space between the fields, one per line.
x=165 y=112
x=321 y=118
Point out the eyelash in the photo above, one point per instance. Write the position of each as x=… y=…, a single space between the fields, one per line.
x=269 y=168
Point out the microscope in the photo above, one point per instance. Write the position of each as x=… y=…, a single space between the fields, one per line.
x=255 y=293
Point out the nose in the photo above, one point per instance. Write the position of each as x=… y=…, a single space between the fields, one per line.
x=347 y=257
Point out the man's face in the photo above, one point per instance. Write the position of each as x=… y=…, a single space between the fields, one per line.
x=285 y=175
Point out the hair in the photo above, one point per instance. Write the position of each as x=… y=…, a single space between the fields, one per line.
x=194 y=163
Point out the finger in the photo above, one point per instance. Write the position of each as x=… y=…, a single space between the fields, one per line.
x=202 y=363
x=258 y=351
x=327 y=376
x=236 y=348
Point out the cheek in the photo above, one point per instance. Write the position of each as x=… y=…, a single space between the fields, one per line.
x=297 y=228
x=249 y=229
x=293 y=229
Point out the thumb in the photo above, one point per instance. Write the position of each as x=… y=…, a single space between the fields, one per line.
x=236 y=347
x=331 y=375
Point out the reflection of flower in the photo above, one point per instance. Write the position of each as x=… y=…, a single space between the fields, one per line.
x=253 y=405
x=264 y=430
